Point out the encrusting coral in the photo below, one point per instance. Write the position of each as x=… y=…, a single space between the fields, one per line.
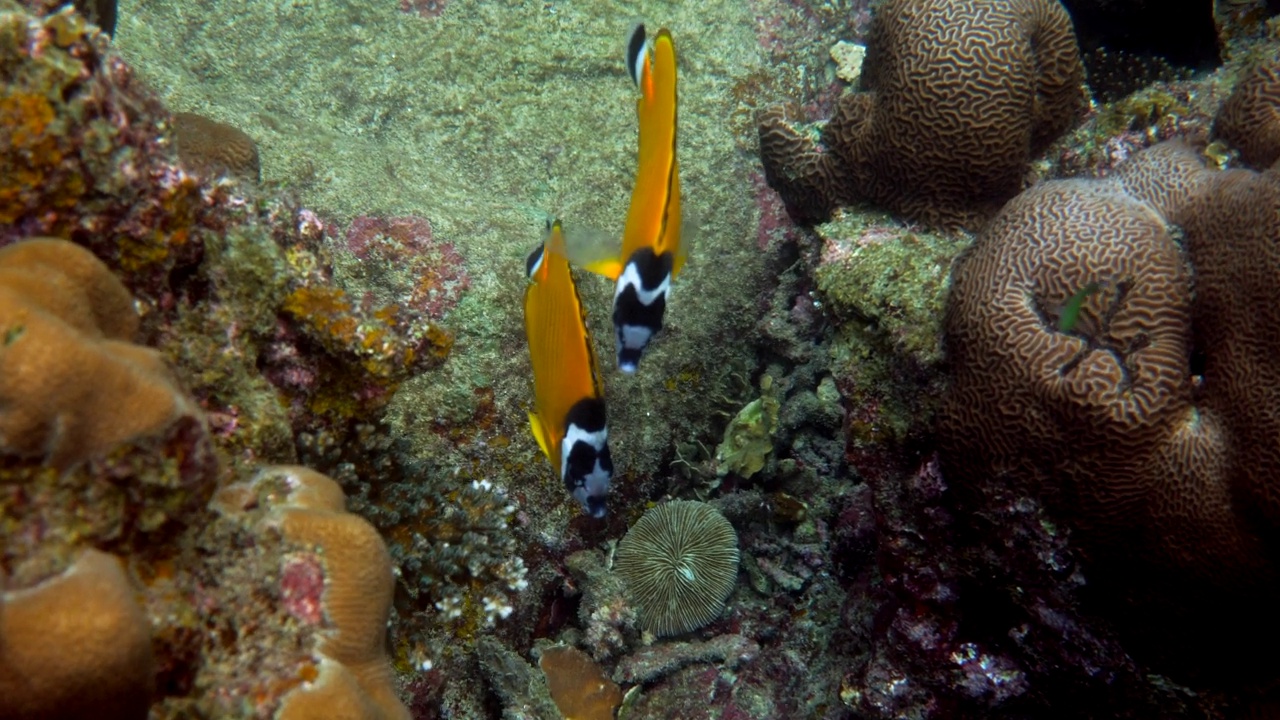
x=1076 y=372
x=74 y=383
x=957 y=97
x=208 y=146
x=77 y=645
x=680 y=563
x=578 y=686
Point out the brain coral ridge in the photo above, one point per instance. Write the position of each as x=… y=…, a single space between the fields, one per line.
x=1250 y=118
x=957 y=97
x=1166 y=468
x=355 y=678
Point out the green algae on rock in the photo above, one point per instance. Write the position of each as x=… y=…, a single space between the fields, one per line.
x=888 y=278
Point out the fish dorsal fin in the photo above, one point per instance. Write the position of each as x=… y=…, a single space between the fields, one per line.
x=534 y=265
x=637 y=46
x=540 y=434
x=593 y=250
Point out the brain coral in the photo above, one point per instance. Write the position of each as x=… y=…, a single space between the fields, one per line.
x=1158 y=443
x=679 y=562
x=1250 y=118
x=208 y=146
x=957 y=96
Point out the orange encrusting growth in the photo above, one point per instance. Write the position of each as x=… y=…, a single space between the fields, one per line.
x=565 y=368
x=654 y=217
x=578 y=686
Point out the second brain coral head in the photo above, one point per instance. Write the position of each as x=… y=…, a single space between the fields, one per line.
x=957 y=96
x=1149 y=424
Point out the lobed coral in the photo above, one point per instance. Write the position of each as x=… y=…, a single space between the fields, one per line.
x=957 y=97
x=74 y=384
x=354 y=676
x=76 y=645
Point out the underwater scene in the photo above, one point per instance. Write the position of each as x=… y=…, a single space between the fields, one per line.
x=596 y=359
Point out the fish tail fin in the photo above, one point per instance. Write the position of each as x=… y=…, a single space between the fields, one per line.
x=688 y=237
x=540 y=434
x=593 y=250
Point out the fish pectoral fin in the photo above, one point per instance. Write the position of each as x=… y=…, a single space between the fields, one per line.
x=594 y=250
x=688 y=236
x=540 y=433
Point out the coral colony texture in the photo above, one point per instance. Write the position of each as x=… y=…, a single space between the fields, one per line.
x=964 y=406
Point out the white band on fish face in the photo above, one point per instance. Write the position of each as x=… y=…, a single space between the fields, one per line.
x=591 y=488
x=630 y=277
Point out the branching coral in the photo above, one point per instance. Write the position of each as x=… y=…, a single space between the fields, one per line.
x=957 y=98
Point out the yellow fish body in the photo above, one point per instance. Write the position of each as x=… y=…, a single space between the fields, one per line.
x=569 y=420
x=651 y=254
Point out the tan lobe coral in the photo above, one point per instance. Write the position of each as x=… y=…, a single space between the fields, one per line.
x=356 y=679
x=75 y=646
x=74 y=384
x=957 y=97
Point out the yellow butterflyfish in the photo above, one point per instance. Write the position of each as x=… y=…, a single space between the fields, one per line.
x=568 y=419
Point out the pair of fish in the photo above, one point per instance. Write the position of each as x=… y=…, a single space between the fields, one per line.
x=569 y=419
